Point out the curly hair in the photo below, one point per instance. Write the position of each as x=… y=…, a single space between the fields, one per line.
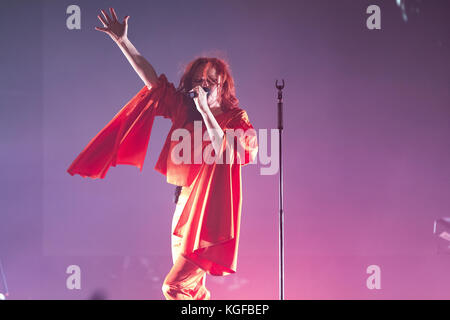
x=228 y=98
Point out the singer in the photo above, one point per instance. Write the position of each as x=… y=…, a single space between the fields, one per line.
x=206 y=222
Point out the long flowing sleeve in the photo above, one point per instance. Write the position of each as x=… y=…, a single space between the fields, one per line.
x=124 y=140
x=241 y=141
x=210 y=221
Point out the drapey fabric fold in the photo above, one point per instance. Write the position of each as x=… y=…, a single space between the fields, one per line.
x=210 y=221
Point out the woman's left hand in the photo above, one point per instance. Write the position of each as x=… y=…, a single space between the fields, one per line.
x=201 y=99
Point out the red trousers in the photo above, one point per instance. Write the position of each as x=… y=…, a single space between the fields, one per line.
x=186 y=280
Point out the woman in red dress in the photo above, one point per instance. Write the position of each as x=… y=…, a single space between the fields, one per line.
x=206 y=222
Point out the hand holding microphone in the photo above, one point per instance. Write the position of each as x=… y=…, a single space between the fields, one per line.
x=192 y=94
x=200 y=96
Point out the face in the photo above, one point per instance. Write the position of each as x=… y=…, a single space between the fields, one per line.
x=208 y=79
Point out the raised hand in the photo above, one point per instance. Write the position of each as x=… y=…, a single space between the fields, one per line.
x=116 y=30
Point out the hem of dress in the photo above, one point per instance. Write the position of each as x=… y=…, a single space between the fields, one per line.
x=211 y=267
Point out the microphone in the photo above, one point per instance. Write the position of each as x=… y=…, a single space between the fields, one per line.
x=192 y=95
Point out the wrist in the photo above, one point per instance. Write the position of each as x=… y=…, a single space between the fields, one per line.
x=121 y=41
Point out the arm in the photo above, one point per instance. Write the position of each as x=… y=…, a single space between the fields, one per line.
x=214 y=130
x=142 y=67
x=118 y=32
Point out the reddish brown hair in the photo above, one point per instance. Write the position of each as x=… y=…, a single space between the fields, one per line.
x=228 y=98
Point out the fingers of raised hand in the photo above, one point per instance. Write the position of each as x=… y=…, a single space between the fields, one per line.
x=113 y=14
x=102 y=20
x=101 y=29
x=108 y=19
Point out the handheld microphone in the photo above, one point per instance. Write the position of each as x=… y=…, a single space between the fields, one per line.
x=192 y=95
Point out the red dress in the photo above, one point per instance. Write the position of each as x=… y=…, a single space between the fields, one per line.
x=210 y=221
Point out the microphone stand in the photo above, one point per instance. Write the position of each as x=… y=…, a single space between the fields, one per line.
x=281 y=213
